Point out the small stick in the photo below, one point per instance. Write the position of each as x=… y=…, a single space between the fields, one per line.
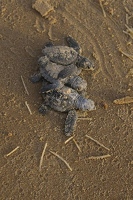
x=127 y=18
x=124 y=100
x=43 y=152
x=127 y=55
x=69 y=139
x=131 y=16
x=126 y=32
x=129 y=12
x=104 y=14
x=84 y=118
x=97 y=142
x=78 y=147
x=99 y=157
x=24 y=86
x=129 y=31
x=61 y=159
x=12 y=151
x=28 y=107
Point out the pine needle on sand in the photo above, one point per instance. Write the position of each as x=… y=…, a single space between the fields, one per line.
x=58 y=156
x=69 y=139
x=24 y=86
x=12 y=151
x=76 y=144
x=97 y=142
x=42 y=156
x=124 y=100
x=126 y=54
x=129 y=31
x=99 y=157
x=104 y=13
x=28 y=107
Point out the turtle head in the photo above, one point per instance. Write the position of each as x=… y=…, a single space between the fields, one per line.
x=88 y=104
x=85 y=104
x=82 y=103
x=42 y=61
x=85 y=63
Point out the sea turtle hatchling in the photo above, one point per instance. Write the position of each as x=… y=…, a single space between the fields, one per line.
x=61 y=65
x=57 y=75
x=66 y=55
x=66 y=100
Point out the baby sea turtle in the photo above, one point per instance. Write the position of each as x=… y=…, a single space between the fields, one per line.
x=58 y=75
x=61 y=65
x=66 y=100
x=66 y=55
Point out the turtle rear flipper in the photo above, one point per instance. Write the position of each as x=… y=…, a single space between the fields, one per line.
x=56 y=85
x=49 y=44
x=77 y=83
x=70 y=122
x=72 y=43
x=43 y=109
x=48 y=88
x=67 y=71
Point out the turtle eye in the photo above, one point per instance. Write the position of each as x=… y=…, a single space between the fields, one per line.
x=79 y=88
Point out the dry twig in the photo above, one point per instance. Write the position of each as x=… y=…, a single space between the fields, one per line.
x=127 y=18
x=100 y=2
x=126 y=54
x=69 y=139
x=129 y=31
x=28 y=107
x=24 y=86
x=128 y=11
x=84 y=118
x=78 y=147
x=124 y=100
x=97 y=142
x=12 y=151
x=99 y=157
x=43 y=152
x=61 y=159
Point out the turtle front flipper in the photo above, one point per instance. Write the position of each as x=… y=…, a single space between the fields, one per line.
x=67 y=71
x=70 y=122
x=73 y=43
x=49 y=44
x=36 y=77
x=43 y=61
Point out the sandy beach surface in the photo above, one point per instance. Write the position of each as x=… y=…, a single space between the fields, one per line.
x=100 y=167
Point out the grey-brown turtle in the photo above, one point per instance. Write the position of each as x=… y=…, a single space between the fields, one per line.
x=62 y=65
x=66 y=100
x=66 y=55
